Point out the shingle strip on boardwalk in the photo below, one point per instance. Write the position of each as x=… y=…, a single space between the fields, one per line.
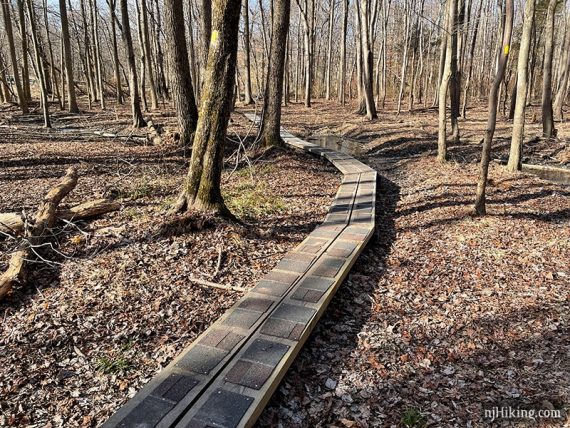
x=227 y=375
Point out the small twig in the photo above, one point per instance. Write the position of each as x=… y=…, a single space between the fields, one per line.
x=219 y=263
x=205 y=283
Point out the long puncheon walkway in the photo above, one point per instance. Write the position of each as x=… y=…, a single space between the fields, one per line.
x=228 y=374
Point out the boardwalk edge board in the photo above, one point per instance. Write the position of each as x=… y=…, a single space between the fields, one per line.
x=228 y=374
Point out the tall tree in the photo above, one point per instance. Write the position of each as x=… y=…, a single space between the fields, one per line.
x=116 y=70
x=147 y=54
x=342 y=73
x=247 y=56
x=548 y=129
x=181 y=79
x=22 y=99
x=307 y=36
x=201 y=189
x=445 y=78
x=97 y=52
x=71 y=98
x=515 y=155
x=138 y=120
x=480 y=199
x=329 y=50
x=24 y=45
x=471 y=59
x=271 y=126
x=562 y=92
x=39 y=64
x=366 y=21
x=455 y=80
x=206 y=29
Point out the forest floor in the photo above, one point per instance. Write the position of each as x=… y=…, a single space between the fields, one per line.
x=442 y=315
x=94 y=326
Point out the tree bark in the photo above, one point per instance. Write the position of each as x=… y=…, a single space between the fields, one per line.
x=138 y=120
x=39 y=65
x=202 y=186
x=206 y=30
x=148 y=55
x=247 y=61
x=307 y=31
x=548 y=129
x=271 y=125
x=118 y=86
x=564 y=79
x=455 y=80
x=181 y=79
x=471 y=59
x=342 y=74
x=71 y=98
x=329 y=50
x=24 y=45
x=98 y=59
x=515 y=155
x=480 y=205
x=365 y=25
x=22 y=99
x=444 y=82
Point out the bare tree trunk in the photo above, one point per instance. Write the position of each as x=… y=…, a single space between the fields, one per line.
x=480 y=207
x=53 y=73
x=365 y=25
x=22 y=99
x=442 y=51
x=408 y=37
x=548 y=129
x=307 y=30
x=247 y=62
x=385 y=16
x=271 y=125
x=455 y=81
x=444 y=82
x=24 y=44
x=119 y=89
x=39 y=65
x=342 y=74
x=329 y=50
x=71 y=98
x=515 y=156
x=202 y=187
x=88 y=63
x=138 y=120
x=206 y=29
x=98 y=60
x=5 y=95
x=147 y=55
x=564 y=78
x=471 y=59
x=182 y=88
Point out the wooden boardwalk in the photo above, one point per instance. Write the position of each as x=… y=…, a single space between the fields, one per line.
x=228 y=374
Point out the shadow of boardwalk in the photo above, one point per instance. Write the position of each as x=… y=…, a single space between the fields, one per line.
x=443 y=315
x=335 y=338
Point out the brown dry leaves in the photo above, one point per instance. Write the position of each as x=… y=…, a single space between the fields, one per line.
x=444 y=313
x=86 y=334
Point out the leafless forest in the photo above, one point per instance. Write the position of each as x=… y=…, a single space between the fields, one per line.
x=138 y=203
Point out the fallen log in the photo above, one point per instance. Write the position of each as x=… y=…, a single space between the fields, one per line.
x=44 y=220
x=88 y=209
x=13 y=223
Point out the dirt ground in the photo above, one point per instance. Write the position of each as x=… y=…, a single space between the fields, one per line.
x=442 y=315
